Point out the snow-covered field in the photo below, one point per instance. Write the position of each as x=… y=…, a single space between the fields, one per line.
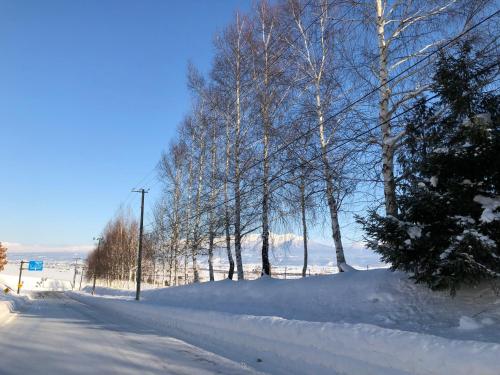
x=360 y=322
x=286 y=258
x=51 y=278
x=375 y=322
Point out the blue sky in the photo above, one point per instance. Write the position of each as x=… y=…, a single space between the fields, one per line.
x=90 y=93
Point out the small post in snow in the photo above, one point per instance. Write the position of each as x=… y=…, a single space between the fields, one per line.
x=20 y=275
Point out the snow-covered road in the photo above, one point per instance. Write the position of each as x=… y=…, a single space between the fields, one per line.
x=55 y=334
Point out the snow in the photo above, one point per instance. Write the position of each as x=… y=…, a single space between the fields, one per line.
x=489 y=206
x=434 y=181
x=414 y=232
x=468 y=323
x=481 y=237
x=53 y=334
x=9 y=303
x=37 y=280
x=376 y=322
x=441 y=150
x=464 y=220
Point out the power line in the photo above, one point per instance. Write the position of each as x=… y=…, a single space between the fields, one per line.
x=349 y=106
x=248 y=68
x=319 y=155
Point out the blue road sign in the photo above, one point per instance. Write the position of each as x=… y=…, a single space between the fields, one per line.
x=35 y=265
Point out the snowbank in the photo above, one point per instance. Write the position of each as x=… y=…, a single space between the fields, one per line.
x=378 y=297
x=284 y=346
x=374 y=322
x=9 y=303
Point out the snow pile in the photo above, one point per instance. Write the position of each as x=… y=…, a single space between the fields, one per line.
x=9 y=303
x=355 y=323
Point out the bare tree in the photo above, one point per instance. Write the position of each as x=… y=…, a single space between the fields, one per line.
x=270 y=92
x=115 y=259
x=313 y=50
x=3 y=256
x=399 y=34
x=229 y=73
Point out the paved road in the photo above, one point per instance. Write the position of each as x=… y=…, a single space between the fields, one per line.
x=57 y=335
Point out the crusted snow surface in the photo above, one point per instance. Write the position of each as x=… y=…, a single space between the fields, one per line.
x=361 y=322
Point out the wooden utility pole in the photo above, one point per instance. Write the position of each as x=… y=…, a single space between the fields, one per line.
x=81 y=278
x=74 y=275
x=139 y=254
x=20 y=276
x=97 y=265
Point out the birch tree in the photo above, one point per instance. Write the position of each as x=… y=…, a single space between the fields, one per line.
x=270 y=93
x=230 y=73
x=399 y=34
x=312 y=49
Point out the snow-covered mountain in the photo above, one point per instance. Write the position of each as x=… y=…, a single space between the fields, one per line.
x=288 y=250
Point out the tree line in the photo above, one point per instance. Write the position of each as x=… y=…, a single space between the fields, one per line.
x=300 y=120
x=3 y=256
x=115 y=256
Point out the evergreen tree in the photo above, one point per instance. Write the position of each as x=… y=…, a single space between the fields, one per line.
x=448 y=230
x=3 y=257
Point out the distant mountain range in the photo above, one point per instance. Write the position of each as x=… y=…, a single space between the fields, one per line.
x=49 y=256
x=288 y=250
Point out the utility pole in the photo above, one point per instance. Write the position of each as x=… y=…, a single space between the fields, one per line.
x=20 y=275
x=139 y=254
x=97 y=265
x=74 y=275
x=81 y=277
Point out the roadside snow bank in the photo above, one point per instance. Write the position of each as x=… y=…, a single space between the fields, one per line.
x=286 y=346
x=377 y=297
x=9 y=303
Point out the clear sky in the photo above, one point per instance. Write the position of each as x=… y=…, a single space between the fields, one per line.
x=91 y=91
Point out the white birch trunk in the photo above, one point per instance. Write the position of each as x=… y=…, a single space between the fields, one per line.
x=237 y=176
x=384 y=117
x=226 y=205
x=304 y=221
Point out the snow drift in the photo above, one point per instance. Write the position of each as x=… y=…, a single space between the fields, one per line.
x=9 y=303
x=355 y=323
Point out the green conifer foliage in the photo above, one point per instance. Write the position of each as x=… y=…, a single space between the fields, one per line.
x=447 y=232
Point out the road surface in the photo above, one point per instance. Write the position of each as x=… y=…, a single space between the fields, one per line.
x=57 y=335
